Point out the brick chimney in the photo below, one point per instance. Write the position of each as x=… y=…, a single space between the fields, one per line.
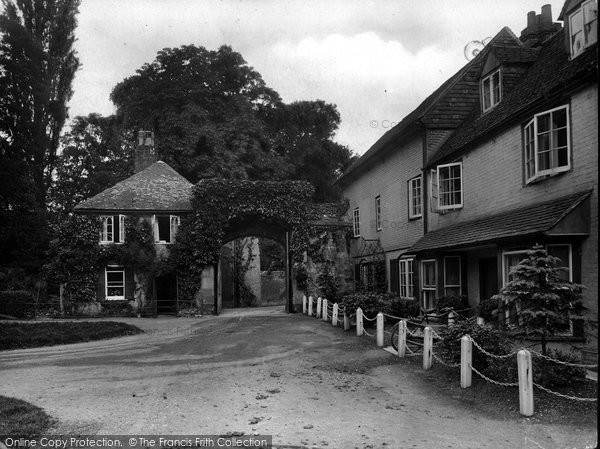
x=539 y=27
x=145 y=154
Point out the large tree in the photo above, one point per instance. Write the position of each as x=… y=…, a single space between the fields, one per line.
x=37 y=66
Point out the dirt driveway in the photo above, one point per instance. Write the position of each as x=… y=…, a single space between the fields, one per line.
x=297 y=378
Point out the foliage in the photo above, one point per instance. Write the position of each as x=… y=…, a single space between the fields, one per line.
x=301 y=276
x=545 y=301
x=33 y=335
x=486 y=309
x=18 y=304
x=454 y=302
x=371 y=303
x=492 y=340
x=327 y=282
x=117 y=308
x=214 y=117
x=37 y=67
x=96 y=154
x=222 y=205
x=402 y=307
x=552 y=374
x=272 y=255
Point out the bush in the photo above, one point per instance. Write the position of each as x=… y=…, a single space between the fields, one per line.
x=455 y=302
x=117 y=308
x=371 y=303
x=18 y=304
x=486 y=309
x=491 y=340
x=402 y=307
x=552 y=374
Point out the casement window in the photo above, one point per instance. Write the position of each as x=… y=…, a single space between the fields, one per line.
x=491 y=91
x=115 y=282
x=583 y=27
x=415 y=205
x=447 y=187
x=565 y=253
x=428 y=283
x=407 y=278
x=356 y=222
x=165 y=228
x=113 y=229
x=547 y=144
x=511 y=259
x=378 y=212
x=452 y=276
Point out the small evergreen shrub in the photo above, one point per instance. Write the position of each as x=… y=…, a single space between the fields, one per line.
x=551 y=374
x=18 y=304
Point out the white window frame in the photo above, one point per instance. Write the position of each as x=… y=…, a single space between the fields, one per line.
x=439 y=186
x=531 y=129
x=156 y=229
x=459 y=285
x=430 y=287
x=174 y=223
x=407 y=286
x=505 y=266
x=570 y=261
x=493 y=100
x=104 y=235
x=113 y=269
x=415 y=208
x=378 y=212
x=121 y=229
x=581 y=27
x=356 y=222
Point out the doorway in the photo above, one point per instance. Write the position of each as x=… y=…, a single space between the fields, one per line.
x=165 y=288
x=488 y=277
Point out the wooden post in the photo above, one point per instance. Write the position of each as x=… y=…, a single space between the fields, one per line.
x=401 y=338
x=319 y=305
x=346 y=321
x=380 y=329
x=451 y=317
x=427 y=348
x=325 y=311
x=334 y=318
x=310 y=306
x=359 y=322
x=304 y=308
x=480 y=321
x=525 y=382
x=466 y=358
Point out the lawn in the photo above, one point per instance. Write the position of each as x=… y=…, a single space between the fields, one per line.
x=32 y=335
x=20 y=418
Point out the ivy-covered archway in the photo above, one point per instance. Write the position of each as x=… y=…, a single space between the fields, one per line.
x=226 y=209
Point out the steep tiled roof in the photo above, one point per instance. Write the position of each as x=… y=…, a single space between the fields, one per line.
x=450 y=104
x=552 y=72
x=157 y=188
x=519 y=222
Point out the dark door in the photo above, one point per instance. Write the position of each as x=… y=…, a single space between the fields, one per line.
x=166 y=294
x=488 y=277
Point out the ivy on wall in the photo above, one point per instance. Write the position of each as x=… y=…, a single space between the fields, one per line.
x=219 y=204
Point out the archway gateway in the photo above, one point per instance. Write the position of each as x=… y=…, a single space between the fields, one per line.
x=224 y=210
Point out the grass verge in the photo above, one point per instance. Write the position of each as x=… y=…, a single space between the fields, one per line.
x=32 y=335
x=20 y=418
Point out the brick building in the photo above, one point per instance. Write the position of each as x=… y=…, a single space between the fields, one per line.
x=502 y=156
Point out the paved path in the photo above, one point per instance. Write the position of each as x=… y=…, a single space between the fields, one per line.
x=265 y=372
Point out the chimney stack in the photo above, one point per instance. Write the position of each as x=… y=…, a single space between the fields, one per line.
x=145 y=154
x=539 y=27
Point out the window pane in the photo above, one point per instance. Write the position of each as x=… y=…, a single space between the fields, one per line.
x=543 y=123
x=559 y=119
x=429 y=274
x=511 y=260
x=452 y=271
x=562 y=252
x=576 y=31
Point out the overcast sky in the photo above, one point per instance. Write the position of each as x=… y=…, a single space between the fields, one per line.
x=376 y=60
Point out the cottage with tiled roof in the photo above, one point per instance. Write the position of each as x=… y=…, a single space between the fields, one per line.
x=507 y=160
x=155 y=193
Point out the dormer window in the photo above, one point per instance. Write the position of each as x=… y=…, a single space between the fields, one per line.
x=583 y=30
x=491 y=91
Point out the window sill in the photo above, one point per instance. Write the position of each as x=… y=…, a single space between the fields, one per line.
x=115 y=298
x=415 y=218
x=540 y=178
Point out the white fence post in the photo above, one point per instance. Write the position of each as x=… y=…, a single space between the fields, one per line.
x=451 y=317
x=346 y=321
x=427 y=348
x=359 y=322
x=325 y=311
x=401 y=338
x=525 y=382
x=480 y=321
x=310 y=305
x=304 y=308
x=466 y=359
x=334 y=318
x=380 y=329
x=319 y=307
